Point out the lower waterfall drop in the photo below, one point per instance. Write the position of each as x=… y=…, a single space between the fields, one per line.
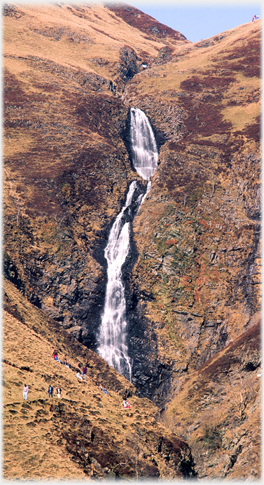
x=112 y=338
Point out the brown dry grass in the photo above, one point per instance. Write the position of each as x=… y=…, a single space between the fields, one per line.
x=200 y=62
x=101 y=36
x=38 y=433
x=52 y=97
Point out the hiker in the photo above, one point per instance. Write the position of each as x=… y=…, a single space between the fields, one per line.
x=25 y=391
x=84 y=370
x=50 y=391
x=103 y=389
x=56 y=358
x=79 y=376
x=126 y=404
x=55 y=352
x=58 y=392
x=125 y=401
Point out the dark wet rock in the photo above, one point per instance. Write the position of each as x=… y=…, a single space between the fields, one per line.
x=128 y=66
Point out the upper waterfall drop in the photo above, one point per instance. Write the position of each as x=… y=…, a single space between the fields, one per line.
x=143 y=144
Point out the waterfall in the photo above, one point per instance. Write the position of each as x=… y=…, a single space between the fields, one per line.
x=112 y=344
x=143 y=144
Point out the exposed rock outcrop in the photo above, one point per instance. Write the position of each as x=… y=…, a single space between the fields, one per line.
x=224 y=396
x=198 y=233
x=192 y=280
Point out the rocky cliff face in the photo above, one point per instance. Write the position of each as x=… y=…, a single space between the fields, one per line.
x=67 y=167
x=198 y=232
x=192 y=279
x=223 y=399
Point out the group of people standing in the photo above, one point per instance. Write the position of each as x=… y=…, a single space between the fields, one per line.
x=55 y=357
x=80 y=375
x=50 y=391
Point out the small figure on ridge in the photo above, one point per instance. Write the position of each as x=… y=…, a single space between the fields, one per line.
x=103 y=389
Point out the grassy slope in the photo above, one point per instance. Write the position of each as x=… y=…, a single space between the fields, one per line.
x=76 y=39
x=198 y=62
x=50 y=84
x=86 y=433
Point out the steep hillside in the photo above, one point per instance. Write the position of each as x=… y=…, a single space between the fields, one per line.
x=218 y=411
x=71 y=75
x=150 y=26
x=66 y=165
x=196 y=279
x=85 y=433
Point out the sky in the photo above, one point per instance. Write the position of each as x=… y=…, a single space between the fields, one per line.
x=198 y=20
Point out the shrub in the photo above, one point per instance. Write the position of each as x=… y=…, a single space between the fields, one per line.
x=212 y=437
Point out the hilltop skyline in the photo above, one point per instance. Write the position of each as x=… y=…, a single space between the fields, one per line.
x=199 y=22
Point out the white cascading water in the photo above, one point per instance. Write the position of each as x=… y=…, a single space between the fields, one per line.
x=143 y=144
x=112 y=344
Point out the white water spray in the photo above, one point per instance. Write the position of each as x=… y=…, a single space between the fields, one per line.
x=143 y=144
x=112 y=337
